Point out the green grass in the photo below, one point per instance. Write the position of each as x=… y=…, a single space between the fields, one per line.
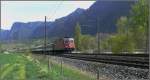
x=68 y=73
x=21 y=67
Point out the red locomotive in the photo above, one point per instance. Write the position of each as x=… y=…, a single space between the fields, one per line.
x=64 y=45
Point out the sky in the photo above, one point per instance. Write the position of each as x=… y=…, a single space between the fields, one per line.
x=30 y=11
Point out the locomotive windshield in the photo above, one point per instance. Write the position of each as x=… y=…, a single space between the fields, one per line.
x=68 y=41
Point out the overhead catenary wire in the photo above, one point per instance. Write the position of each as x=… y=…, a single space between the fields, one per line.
x=56 y=9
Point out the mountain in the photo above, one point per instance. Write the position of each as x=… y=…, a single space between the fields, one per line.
x=4 y=34
x=22 y=31
x=103 y=14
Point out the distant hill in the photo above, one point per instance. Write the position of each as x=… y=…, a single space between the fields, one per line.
x=102 y=13
x=4 y=35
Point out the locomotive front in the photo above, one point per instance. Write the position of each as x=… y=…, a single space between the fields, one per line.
x=69 y=44
x=64 y=45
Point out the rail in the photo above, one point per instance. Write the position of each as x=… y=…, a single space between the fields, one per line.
x=130 y=60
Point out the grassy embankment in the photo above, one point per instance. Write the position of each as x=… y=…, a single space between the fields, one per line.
x=21 y=67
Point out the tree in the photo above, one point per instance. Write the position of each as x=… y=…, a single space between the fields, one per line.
x=77 y=37
x=138 y=21
x=121 y=43
x=122 y=25
x=132 y=30
x=88 y=43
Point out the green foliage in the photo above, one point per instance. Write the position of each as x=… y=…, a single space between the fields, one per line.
x=88 y=42
x=122 y=25
x=106 y=44
x=139 y=23
x=77 y=36
x=121 y=43
x=139 y=14
x=118 y=43
x=83 y=42
x=132 y=30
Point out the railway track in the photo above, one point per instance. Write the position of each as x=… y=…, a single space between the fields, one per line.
x=131 y=60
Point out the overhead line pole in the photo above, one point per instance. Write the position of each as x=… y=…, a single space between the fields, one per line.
x=45 y=36
x=0 y=30
x=98 y=38
x=45 y=46
x=0 y=38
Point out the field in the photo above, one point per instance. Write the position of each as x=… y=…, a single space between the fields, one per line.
x=16 y=66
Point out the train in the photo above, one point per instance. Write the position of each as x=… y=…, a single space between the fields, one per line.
x=61 y=45
x=65 y=44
